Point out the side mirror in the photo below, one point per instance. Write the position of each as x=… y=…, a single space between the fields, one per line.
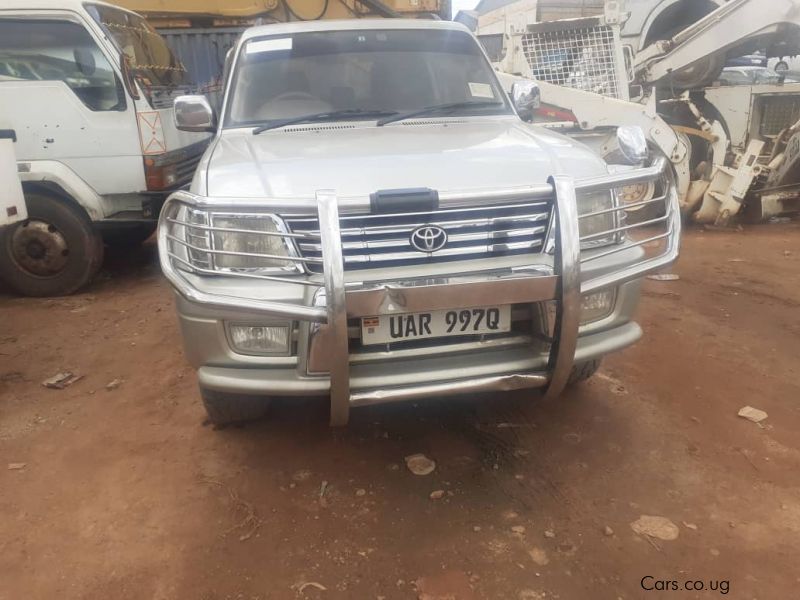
x=194 y=113
x=526 y=98
x=633 y=144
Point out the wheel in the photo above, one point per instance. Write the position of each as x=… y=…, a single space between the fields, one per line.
x=700 y=74
x=227 y=409
x=635 y=194
x=52 y=253
x=641 y=192
x=129 y=237
x=671 y=22
x=583 y=371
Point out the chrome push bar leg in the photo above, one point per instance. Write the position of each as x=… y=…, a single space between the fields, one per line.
x=568 y=268
x=336 y=306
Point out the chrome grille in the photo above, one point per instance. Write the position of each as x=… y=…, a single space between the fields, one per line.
x=383 y=240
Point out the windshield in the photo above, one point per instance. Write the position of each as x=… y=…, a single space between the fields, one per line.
x=45 y=50
x=375 y=71
x=151 y=60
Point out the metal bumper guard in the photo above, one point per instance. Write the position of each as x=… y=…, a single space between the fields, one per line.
x=565 y=285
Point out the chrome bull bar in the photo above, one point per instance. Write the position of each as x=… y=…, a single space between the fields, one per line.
x=564 y=284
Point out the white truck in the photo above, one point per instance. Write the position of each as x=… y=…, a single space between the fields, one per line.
x=87 y=90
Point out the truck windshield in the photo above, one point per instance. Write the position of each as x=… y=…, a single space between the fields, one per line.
x=359 y=74
x=149 y=56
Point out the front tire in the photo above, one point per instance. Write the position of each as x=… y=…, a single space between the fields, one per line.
x=583 y=371
x=229 y=409
x=54 y=252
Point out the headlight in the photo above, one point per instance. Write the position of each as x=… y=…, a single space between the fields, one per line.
x=260 y=243
x=234 y=242
x=591 y=227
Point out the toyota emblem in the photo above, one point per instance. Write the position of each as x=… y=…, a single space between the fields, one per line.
x=428 y=238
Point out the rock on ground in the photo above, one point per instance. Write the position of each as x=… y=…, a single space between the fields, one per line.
x=419 y=464
x=657 y=527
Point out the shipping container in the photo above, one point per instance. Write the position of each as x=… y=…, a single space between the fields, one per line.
x=202 y=51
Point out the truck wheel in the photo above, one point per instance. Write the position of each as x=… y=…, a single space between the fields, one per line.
x=129 y=237
x=52 y=253
x=583 y=371
x=228 y=409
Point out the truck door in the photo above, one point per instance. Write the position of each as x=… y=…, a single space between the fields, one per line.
x=68 y=106
x=12 y=203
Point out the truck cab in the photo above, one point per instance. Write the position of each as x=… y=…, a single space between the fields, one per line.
x=87 y=89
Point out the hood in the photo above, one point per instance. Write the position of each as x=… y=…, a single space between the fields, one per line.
x=357 y=159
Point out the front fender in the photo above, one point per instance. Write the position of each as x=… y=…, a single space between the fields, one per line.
x=55 y=173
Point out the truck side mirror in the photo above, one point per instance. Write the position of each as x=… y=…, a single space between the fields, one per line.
x=526 y=97
x=194 y=113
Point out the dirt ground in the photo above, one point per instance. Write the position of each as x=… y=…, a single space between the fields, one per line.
x=125 y=494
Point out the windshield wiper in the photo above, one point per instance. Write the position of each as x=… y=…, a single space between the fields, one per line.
x=323 y=116
x=438 y=108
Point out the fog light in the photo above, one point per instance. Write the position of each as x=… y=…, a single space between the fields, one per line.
x=597 y=305
x=260 y=339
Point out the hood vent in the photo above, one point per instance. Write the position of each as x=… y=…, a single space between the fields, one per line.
x=326 y=127
x=357 y=125
x=430 y=122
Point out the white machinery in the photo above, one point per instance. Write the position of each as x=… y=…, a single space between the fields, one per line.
x=12 y=202
x=727 y=144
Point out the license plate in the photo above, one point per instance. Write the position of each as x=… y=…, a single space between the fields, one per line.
x=385 y=329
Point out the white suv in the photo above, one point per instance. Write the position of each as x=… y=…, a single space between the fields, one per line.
x=375 y=221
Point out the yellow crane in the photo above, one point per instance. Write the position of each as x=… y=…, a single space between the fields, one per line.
x=187 y=13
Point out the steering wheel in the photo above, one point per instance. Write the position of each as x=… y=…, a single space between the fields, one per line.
x=294 y=96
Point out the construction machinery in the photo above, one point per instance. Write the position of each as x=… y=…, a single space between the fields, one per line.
x=731 y=146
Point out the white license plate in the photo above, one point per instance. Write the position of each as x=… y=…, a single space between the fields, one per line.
x=385 y=329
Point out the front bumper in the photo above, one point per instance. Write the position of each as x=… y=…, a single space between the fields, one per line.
x=503 y=370
x=330 y=300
